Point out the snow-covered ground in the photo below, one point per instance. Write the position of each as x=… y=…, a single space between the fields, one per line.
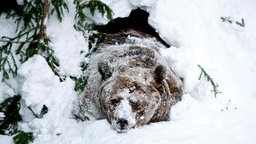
x=199 y=37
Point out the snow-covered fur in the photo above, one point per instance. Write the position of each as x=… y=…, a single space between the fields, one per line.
x=129 y=83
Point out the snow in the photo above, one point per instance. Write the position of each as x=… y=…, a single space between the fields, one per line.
x=198 y=35
x=68 y=43
x=6 y=139
x=2 y=116
x=123 y=111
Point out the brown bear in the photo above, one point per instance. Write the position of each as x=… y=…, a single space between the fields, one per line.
x=129 y=83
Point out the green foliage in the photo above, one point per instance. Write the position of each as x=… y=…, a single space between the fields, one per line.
x=92 y=5
x=27 y=42
x=209 y=79
x=84 y=65
x=95 y=37
x=103 y=9
x=52 y=61
x=9 y=123
x=27 y=22
x=18 y=49
x=28 y=15
x=10 y=107
x=23 y=137
x=59 y=7
x=229 y=19
x=80 y=83
x=94 y=40
x=89 y=33
x=7 y=61
x=80 y=16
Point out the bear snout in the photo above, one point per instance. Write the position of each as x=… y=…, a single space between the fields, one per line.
x=122 y=123
x=123 y=117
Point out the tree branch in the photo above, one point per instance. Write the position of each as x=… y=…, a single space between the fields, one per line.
x=42 y=32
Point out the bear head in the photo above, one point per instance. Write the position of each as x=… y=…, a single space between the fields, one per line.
x=127 y=101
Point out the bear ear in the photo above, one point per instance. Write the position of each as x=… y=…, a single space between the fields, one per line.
x=160 y=73
x=105 y=69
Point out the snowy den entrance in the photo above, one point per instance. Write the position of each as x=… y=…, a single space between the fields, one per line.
x=137 y=20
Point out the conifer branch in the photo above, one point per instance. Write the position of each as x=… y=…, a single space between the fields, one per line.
x=209 y=79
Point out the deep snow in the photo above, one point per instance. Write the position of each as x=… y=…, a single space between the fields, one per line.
x=198 y=35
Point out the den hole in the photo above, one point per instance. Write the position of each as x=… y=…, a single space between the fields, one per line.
x=137 y=20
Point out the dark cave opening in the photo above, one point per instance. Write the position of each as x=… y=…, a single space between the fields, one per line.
x=137 y=20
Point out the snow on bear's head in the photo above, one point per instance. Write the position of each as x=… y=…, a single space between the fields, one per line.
x=128 y=103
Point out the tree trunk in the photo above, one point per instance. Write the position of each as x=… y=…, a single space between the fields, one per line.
x=45 y=12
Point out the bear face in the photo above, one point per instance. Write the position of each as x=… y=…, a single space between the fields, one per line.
x=128 y=103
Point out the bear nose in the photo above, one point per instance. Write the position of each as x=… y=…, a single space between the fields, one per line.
x=123 y=123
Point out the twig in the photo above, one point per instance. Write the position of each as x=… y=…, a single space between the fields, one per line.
x=26 y=41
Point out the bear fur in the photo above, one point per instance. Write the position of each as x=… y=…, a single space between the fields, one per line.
x=129 y=83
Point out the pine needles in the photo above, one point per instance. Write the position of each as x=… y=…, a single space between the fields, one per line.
x=9 y=124
x=94 y=37
x=31 y=38
x=22 y=137
x=10 y=108
x=230 y=20
x=209 y=79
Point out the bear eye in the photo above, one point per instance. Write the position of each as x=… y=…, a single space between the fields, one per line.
x=115 y=102
x=135 y=106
